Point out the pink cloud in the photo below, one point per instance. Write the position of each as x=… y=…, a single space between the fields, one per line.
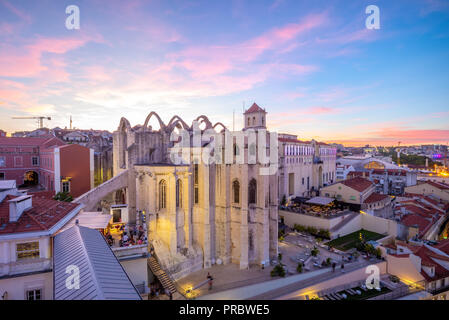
x=222 y=67
x=17 y=12
x=391 y=136
x=26 y=61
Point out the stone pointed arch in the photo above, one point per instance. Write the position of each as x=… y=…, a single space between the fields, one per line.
x=175 y=120
x=124 y=125
x=205 y=120
x=219 y=124
x=152 y=113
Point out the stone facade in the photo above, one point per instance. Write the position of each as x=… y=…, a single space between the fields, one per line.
x=199 y=214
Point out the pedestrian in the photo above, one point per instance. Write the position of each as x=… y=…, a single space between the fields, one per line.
x=210 y=280
x=342 y=267
x=333 y=267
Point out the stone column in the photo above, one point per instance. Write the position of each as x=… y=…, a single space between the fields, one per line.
x=131 y=196
x=244 y=220
x=263 y=240
x=172 y=212
x=152 y=206
x=227 y=219
x=187 y=207
x=206 y=215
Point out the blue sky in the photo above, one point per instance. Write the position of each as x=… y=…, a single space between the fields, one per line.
x=312 y=65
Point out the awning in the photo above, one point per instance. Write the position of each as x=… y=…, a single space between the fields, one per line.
x=324 y=201
x=93 y=220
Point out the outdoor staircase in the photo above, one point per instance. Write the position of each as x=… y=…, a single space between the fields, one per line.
x=345 y=221
x=165 y=280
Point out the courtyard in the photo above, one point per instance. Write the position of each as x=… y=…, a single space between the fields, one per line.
x=295 y=248
x=351 y=240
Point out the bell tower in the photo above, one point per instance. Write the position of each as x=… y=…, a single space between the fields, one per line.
x=255 y=117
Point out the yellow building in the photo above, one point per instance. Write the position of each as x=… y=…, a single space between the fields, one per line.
x=438 y=189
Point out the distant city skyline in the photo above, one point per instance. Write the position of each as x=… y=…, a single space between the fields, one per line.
x=314 y=66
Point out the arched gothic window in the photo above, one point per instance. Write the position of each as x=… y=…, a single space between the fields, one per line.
x=236 y=191
x=162 y=194
x=252 y=191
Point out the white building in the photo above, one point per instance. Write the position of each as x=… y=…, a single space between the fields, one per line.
x=304 y=166
x=27 y=225
x=342 y=171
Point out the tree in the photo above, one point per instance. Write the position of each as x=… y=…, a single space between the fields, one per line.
x=314 y=252
x=378 y=253
x=278 y=270
x=63 y=196
x=284 y=200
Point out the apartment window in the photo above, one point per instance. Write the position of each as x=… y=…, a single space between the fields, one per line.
x=35 y=294
x=2 y=176
x=302 y=181
x=236 y=191
x=162 y=194
x=291 y=183
x=2 y=162
x=35 y=161
x=66 y=186
x=178 y=193
x=195 y=184
x=18 y=161
x=28 y=250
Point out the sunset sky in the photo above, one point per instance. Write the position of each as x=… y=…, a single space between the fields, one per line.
x=312 y=65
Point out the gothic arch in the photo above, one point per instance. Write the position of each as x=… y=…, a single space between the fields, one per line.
x=152 y=113
x=219 y=124
x=175 y=120
x=124 y=125
x=205 y=120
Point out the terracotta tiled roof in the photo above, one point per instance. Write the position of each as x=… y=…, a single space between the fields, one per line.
x=43 y=215
x=397 y=172
x=427 y=259
x=443 y=246
x=439 y=185
x=254 y=108
x=416 y=220
x=375 y=197
x=357 y=183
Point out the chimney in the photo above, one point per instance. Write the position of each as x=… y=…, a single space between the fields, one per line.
x=18 y=205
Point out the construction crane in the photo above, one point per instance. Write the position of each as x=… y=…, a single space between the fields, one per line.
x=40 y=120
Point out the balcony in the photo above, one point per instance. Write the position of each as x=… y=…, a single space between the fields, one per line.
x=438 y=290
x=25 y=266
x=131 y=252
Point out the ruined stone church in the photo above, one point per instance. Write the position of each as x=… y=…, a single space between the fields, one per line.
x=199 y=214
